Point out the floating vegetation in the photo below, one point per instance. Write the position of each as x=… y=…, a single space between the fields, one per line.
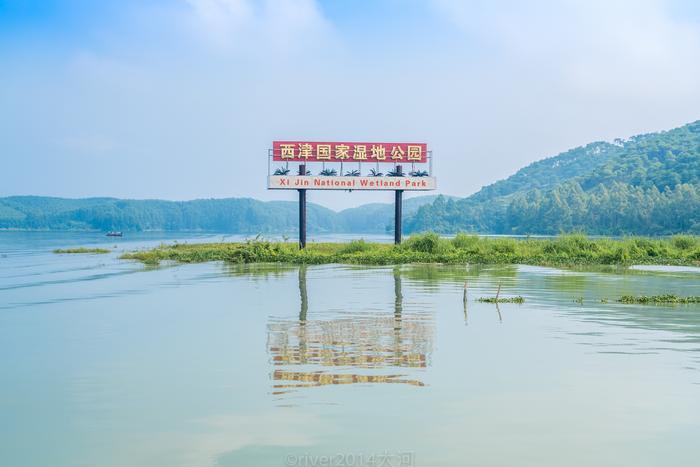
x=653 y=299
x=92 y=251
x=517 y=299
x=565 y=250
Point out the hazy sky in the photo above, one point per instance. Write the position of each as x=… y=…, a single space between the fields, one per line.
x=180 y=99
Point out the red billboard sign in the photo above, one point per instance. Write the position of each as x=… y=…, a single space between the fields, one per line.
x=311 y=151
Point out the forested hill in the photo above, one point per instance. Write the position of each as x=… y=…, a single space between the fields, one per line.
x=235 y=215
x=649 y=184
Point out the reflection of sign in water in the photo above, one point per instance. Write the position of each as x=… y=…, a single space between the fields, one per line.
x=320 y=378
x=358 y=349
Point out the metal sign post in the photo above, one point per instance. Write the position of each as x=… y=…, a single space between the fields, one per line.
x=398 y=205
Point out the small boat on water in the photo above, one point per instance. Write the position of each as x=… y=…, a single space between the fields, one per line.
x=114 y=234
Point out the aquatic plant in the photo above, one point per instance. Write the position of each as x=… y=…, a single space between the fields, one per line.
x=517 y=299
x=464 y=241
x=684 y=242
x=652 y=299
x=428 y=243
x=355 y=246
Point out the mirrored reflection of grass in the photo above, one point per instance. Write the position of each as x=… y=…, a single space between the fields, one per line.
x=566 y=250
x=259 y=270
x=438 y=273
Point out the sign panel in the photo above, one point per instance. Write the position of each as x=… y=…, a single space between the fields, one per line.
x=312 y=151
x=297 y=182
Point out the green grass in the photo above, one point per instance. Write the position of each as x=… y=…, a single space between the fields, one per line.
x=565 y=250
x=517 y=299
x=92 y=251
x=652 y=299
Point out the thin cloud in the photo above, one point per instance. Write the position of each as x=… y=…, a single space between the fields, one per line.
x=602 y=48
x=237 y=25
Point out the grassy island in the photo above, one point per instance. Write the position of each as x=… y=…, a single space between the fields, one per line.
x=82 y=250
x=573 y=249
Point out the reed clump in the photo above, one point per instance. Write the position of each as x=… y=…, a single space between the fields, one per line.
x=564 y=250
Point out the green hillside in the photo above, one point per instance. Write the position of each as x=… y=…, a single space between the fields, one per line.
x=647 y=185
x=548 y=173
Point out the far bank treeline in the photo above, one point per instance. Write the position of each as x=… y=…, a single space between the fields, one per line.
x=233 y=215
x=576 y=249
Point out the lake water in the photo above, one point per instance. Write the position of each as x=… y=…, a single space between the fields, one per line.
x=108 y=363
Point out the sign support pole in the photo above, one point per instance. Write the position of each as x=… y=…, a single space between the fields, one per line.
x=398 y=201
x=302 y=212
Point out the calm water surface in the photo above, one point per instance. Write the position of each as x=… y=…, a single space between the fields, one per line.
x=107 y=363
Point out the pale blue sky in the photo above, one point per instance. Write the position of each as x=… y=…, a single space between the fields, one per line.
x=169 y=99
